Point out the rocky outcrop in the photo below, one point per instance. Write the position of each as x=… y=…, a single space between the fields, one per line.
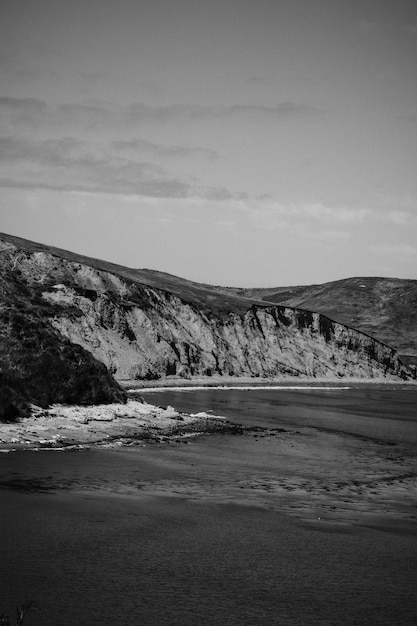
x=143 y=332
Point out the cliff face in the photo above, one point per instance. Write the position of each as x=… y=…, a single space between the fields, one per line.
x=385 y=308
x=140 y=331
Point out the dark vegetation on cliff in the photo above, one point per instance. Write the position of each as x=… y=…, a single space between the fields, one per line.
x=38 y=365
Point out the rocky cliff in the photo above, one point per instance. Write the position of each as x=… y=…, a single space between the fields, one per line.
x=141 y=328
x=385 y=308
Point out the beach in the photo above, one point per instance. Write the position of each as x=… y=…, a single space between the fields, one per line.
x=305 y=515
x=69 y=426
x=66 y=427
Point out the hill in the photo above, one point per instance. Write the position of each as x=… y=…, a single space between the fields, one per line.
x=69 y=323
x=385 y=308
x=37 y=364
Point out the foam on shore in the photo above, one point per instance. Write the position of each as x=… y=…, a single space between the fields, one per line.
x=237 y=388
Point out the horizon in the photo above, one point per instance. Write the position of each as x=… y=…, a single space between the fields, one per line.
x=149 y=269
x=230 y=143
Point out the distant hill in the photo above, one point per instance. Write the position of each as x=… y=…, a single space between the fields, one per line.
x=385 y=308
x=69 y=323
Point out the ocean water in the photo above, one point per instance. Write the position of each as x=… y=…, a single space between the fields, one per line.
x=312 y=521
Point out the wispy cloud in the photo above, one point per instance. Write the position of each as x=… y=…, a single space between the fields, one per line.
x=399 y=218
x=396 y=250
x=397 y=212
x=66 y=164
x=270 y=210
x=326 y=238
x=341 y=214
x=17 y=112
x=161 y=151
x=89 y=146
x=34 y=112
x=139 y=112
x=69 y=164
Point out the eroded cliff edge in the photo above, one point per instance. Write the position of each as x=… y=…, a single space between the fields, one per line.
x=144 y=331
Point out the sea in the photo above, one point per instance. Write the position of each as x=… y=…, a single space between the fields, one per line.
x=307 y=518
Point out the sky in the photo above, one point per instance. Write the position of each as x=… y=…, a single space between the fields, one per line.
x=232 y=142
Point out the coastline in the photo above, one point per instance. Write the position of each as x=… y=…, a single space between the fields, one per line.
x=66 y=427
x=63 y=427
x=219 y=382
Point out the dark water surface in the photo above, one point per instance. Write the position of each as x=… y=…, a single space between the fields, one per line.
x=313 y=522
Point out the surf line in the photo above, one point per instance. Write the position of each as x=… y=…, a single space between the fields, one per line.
x=233 y=388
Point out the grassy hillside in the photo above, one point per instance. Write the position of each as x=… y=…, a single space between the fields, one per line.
x=207 y=298
x=385 y=308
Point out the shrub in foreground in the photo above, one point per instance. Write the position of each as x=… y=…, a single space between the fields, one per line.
x=21 y=612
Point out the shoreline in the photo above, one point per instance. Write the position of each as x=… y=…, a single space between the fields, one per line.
x=64 y=427
x=222 y=382
x=75 y=427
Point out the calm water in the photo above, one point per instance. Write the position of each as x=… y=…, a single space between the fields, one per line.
x=313 y=524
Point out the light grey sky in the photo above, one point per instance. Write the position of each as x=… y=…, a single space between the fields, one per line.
x=234 y=142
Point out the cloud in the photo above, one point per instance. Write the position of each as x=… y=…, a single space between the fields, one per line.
x=341 y=214
x=157 y=150
x=92 y=116
x=282 y=110
x=329 y=238
x=88 y=116
x=19 y=149
x=398 y=217
x=69 y=164
x=139 y=112
x=89 y=146
x=22 y=111
x=269 y=209
x=22 y=105
x=396 y=250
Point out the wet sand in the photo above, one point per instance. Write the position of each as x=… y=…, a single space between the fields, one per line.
x=306 y=517
x=324 y=456
x=107 y=559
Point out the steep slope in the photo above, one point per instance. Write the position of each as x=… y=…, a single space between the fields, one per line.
x=37 y=364
x=203 y=296
x=385 y=308
x=144 y=324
